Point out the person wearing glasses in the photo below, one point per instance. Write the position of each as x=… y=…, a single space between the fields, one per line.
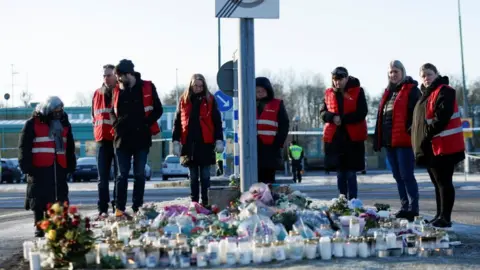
x=102 y=131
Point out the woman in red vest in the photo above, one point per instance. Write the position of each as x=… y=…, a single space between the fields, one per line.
x=344 y=111
x=392 y=131
x=46 y=155
x=197 y=134
x=437 y=139
x=272 y=130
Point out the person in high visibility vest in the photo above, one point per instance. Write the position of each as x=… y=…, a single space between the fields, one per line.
x=437 y=139
x=102 y=132
x=219 y=158
x=47 y=155
x=344 y=111
x=136 y=110
x=295 y=154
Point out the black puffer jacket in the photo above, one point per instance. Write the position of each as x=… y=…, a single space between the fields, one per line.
x=422 y=133
x=41 y=181
x=270 y=156
x=342 y=153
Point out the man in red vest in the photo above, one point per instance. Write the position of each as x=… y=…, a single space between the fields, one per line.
x=344 y=112
x=136 y=110
x=102 y=130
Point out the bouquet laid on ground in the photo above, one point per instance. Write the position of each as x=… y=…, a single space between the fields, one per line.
x=68 y=234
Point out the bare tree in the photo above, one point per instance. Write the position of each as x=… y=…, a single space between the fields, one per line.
x=82 y=99
x=171 y=97
x=26 y=97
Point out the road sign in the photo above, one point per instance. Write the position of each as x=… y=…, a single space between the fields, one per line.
x=225 y=102
x=225 y=77
x=6 y=96
x=467 y=123
x=251 y=9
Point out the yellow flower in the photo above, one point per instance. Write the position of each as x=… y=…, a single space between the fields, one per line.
x=57 y=208
x=69 y=235
x=52 y=234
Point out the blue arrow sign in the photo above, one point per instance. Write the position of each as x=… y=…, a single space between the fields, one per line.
x=225 y=102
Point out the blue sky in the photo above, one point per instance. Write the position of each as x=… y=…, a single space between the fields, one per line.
x=62 y=45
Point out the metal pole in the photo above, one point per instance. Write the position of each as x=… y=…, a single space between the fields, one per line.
x=224 y=124
x=236 y=148
x=176 y=86
x=248 y=109
x=219 y=44
x=13 y=86
x=466 y=110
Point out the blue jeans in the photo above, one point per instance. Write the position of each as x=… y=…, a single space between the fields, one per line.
x=124 y=157
x=105 y=158
x=202 y=172
x=347 y=184
x=402 y=162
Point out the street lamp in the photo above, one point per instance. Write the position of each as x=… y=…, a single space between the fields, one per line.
x=296 y=121
x=466 y=111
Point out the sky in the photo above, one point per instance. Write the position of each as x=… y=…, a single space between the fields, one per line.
x=58 y=47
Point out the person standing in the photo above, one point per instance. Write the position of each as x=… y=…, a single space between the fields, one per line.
x=102 y=131
x=344 y=111
x=219 y=158
x=47 y=155
x=272 y=130
x=136 y=109
x=392 y=131
x=197 y=134
x=295 y=153
x=437 y=139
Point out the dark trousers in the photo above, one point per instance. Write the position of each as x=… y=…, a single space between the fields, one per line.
x=266 y=175
x=347 y=184
x=124 y=160
x=201 y=173
x=402 y=162
x=442 y=179
x=297 y=171
x=219 y=167
x=38 y=215
x=105 y=158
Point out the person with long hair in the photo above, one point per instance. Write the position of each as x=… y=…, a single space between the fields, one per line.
x=392 y=132
x=437 y=139
x=197 y=134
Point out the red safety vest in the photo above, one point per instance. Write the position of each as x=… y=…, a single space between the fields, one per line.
x=206 y=122
x=450 y=140
x=267 y=122
x=357 y=131
x=43 y=149
x=102 y=124
x=147 y=103
x=400 y=136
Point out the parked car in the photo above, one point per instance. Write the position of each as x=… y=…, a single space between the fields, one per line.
x=86 y=169
x=148 y=171
x=23 y=176
x=172 y=168
x=10 y=172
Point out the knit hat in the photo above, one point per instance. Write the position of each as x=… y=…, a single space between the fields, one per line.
x=339 y=73
x=124 y=66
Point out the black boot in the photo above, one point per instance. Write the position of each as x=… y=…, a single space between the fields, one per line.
x=39 y=233
x=442 y=223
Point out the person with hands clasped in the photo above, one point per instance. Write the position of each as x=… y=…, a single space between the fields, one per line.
x=344 y=111
x=197 y=135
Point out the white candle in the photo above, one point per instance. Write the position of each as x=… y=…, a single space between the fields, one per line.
x=244 y=251
x=258 y=252
x=350 y=249
x=354 y=227
x=102 y=251
x=279 y=251
x=212 y=251
x=223 y=247
x=311 y=248
x=231 y=254
x=35 y=262
x=325 y=248
x=267 y=252
x=338 y=249
x=363 y=250
x=27 y=247
x=391 y=240
x=90 y=257
x=202 y=257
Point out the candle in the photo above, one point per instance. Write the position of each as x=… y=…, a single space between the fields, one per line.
x=223 y=247
x=337 y=247
x=295 y=246
x=350 y=249
x=325 y=246
x=354 y=227
x=152 y=257
x=231 y=253
x=27 y=247
x=267 y=252
x=258 y=252
x=202 y=257
x=311 y=248
x=164 y=259
x=391 y=240
x=35 y=262
x=185 y=257
x=363 y=250
x=279 y=251
x=244 y=251
x=90 y=257
x=212 y=251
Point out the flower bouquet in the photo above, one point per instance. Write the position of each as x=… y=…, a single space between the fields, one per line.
x=68 y=234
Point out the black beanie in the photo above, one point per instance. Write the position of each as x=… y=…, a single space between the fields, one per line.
x=124 y=66
x=265 y=83
x=339 y=73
